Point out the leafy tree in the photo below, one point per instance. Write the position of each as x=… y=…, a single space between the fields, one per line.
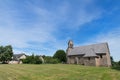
x=6 y=53
x=60 y=55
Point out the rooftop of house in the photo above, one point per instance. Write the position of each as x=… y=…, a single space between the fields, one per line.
x=90 y=50
x=16 y=56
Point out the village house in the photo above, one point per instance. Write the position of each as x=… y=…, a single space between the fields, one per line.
x=89 y=55
x=17 y=58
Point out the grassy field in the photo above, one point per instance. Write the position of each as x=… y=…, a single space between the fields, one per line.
x=56 y=72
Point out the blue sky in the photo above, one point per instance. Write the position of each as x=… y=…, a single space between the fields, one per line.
x=44 y=26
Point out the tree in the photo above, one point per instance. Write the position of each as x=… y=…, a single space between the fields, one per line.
x=119 y=63
x=112 y=61
x=6 y=53
x=60 y=55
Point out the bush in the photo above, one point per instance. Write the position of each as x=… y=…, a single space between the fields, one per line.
x=115 y=65
x=37 y=60
x=50 y=60
x=32 y=60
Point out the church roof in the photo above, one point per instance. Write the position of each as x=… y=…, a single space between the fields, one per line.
x=89 y=50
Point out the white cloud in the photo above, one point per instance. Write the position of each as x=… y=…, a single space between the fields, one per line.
x=67 y=13
x=113 y=38
x=18 y=30
x=77 y=15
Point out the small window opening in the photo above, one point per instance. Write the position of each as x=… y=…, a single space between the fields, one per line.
x=101 y=56
x=88 y=58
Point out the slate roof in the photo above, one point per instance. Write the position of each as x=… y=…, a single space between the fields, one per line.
x=89 y=50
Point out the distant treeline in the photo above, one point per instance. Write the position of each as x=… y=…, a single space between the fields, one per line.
x=58 y=57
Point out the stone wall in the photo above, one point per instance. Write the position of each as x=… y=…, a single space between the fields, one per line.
x=108 y=57
x=72 y=59
x=81 y=60
x=89 y=61
x=101 y=60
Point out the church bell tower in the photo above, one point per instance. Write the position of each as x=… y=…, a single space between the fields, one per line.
x=70 y=47
x=70 y=44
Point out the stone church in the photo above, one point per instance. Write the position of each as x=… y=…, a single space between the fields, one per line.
x=89 y=55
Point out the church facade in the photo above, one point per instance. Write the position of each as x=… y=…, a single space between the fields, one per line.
x=89 y=55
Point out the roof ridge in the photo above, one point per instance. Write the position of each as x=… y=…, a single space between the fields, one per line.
x=91 y=44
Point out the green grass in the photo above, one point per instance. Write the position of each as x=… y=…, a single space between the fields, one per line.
x=56 y=72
